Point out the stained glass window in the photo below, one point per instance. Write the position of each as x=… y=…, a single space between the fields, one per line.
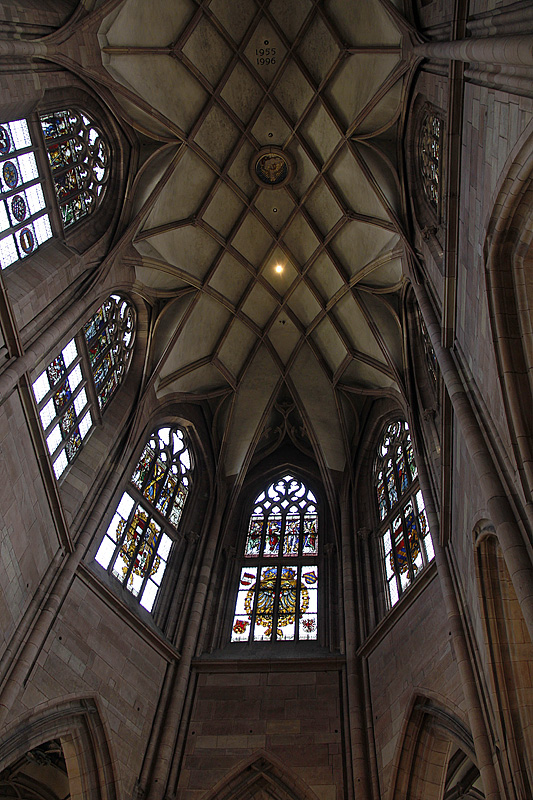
x=63 y=390
x=405 y=537
x=430 y=157
x=137 y=544
x=79 y=159
x=277 y=596
x=24 y=221
x=109 y=337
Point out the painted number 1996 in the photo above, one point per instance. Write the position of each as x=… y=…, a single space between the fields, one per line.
x=265 y=56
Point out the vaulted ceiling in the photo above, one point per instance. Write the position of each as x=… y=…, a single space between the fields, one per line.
x=209 y=85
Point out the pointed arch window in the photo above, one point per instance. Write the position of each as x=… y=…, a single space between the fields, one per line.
x=277 y=596
x=79 y=159
x=429 y=150
x=404 y=533
x=78 y=383
x=137 y=544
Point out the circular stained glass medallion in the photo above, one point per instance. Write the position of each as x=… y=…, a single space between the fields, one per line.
x=5 y=141
x=10 y=174
x=271 y=168
x=19 y=208
x=27 y=240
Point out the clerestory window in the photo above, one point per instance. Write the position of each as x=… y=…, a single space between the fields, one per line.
x=404 y=532
x=430 y=156
x=277 y=596
x=138 y=542
x=77 y=385
x=79 y=160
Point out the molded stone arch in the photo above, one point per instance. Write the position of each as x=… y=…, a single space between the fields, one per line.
x=433 y=740
x=261 y=778
x=78 y=726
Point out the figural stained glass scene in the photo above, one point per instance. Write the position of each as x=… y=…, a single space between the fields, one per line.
x=277 y=595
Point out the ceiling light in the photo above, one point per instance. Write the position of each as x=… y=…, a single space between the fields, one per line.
x=278 y=268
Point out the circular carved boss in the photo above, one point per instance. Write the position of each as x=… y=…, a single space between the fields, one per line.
x=271 y=168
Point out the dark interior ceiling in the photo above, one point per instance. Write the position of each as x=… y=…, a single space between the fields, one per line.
x=196 y=80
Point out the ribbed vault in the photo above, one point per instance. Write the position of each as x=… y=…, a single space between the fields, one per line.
x=196 y=84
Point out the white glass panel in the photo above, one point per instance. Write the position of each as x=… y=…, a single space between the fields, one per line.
x=164 y=547
x=149 y=595
x=428 y=544
x=54 y=439
x=8 y=251
x=86 y=425
x=112 y=530
x=42 y=229
x=4 y=220
x=80 y=402
x=75 y=377
x=60 y=463
x=35 y=198
x=48 y=413
x=69 y=354
x=20 y=133
x=105 y=552
x=393 y=591
x=134 y=583
x=28 y=167
x=125 y=505
x=41 y=386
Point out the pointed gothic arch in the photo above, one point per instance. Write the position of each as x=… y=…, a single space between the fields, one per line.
x=78 y=726
x=261 y=777
x=435 y=756
x=509 y=651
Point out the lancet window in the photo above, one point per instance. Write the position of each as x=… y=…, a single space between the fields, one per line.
x=277 y=596
x=430 y=157
x=78 y=383
x=79 y=159
x=405 y=538
x=138 y=542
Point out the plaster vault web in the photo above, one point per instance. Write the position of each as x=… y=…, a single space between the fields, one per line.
x=209 y=85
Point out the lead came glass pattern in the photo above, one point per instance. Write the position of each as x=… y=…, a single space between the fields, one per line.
x=61 y=396
x=430 y=157
x=277 y=596
x=406 y=540
x=24 y=222
x=79 y=159
x=61 y=390
x=109 y=337
x=136 y=546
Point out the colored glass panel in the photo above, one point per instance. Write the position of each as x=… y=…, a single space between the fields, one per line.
x=310 y=545
x=391 y=485
x=403 y=480
x=79 y=158
x=272 y=537
x=253 y=539
x=275 y=601
x=291 y=538
x=382 y=499
x=55 y=370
